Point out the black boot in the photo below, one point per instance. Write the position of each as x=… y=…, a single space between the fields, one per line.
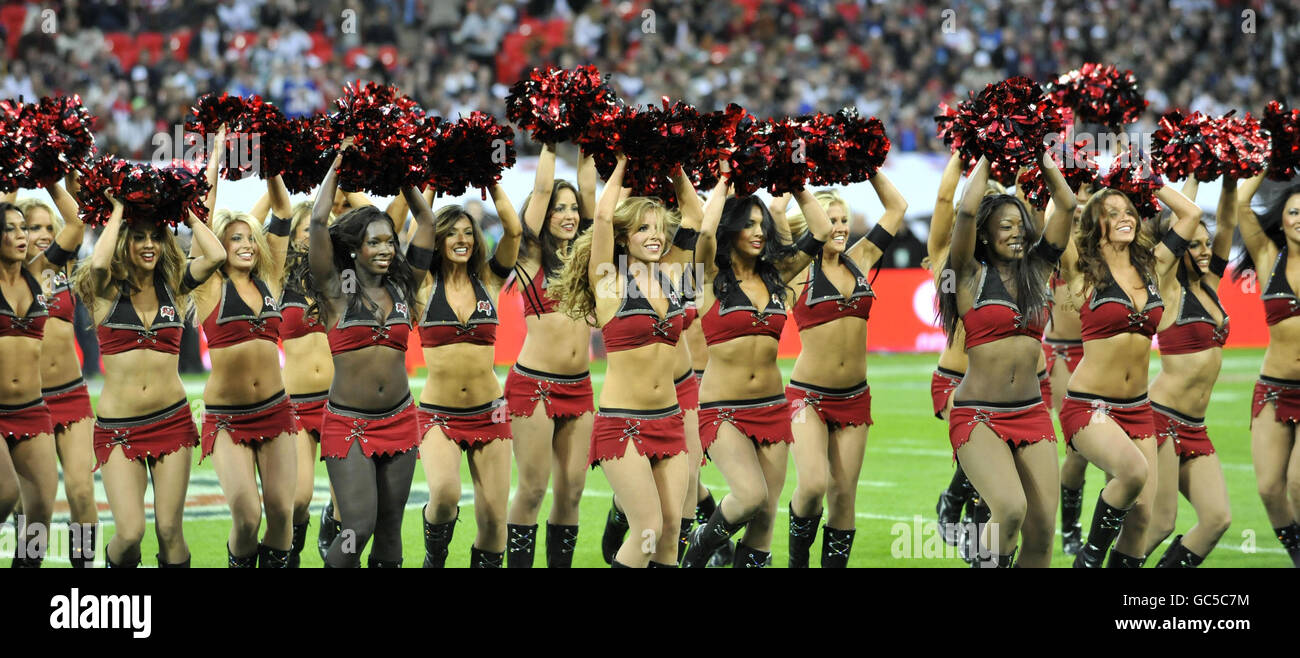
x=181 y=565
x=26 y=563
x=561 y=542
x=615 y=531
x=1106 y=524
x=972 y=529
x=705 y=508
x=750 y=558
x=329 y=529
x=437 y=537
x=836 y=547
x=109 y=564
x=999 y=562
x=657 y=565
x=803 y=532
x=1119 y=560
x=375 y=563
x=273 y=558
x=708 y=538
x=1071 y=510
x=233 y=562
x=1290 y=538
x=299 y=540
x=521 y=545
x=480 y=559
x=1177 y=556
x=83 y=551
x=683 y=538
x=948 y=509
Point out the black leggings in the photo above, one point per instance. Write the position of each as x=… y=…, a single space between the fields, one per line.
x=371 y=497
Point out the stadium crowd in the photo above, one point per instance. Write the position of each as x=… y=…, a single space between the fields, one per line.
x=140 y=63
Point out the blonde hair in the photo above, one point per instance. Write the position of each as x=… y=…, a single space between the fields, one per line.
x=825 y=198
x=572 y=288
x=223 y=220
x=171 y=266
x=28 y=204
x=301 y=213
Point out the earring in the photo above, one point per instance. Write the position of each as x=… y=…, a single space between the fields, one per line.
x=354 y=254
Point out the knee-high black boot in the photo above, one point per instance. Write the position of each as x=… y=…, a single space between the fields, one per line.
x=948 y=509
x=615 y=531
x=1071 y=510
x=561 y=542
x=26 y=562
x=1178 y=557
x=803 y=532
x=1118 y=560
x=521 y=545
x=299 y=540
x=750 y=558
x=683 y=538
x=329 y=529
x=705 y=508
x=1000 y=561
x=233 y=561
x=437 y=536
x=1106 y=524
x=1290 y=538
x=375 y=563
x=273 y=558
x=481 y=559
x=708 y=538
x=179 y=565
x=109 y=564
x=837 y=545
x=83 y=550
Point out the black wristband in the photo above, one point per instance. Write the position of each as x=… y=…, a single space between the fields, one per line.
x=1048 y=251
x=685 y=238
x=188 y=282
x=880 y=237
x=278 y=226
x=1175 y=243
x=57 y=255
x=498 y=269
x=419 y=257
x=1218 y=265
x=809 y=244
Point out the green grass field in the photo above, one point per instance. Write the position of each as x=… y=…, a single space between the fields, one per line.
x=908 y=461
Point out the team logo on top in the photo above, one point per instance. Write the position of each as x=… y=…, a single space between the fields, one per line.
x=400 y=308
x=776 y=299
x=40 y=299
x=672 y=297
x=59 y=279
x=862 y=281
x=167 y=312
x=484 y=306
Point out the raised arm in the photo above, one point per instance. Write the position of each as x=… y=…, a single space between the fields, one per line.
x=1186 y=216
x=810 y=243
x=508 y=247
x=779 y=207
x=1262 y=250
x=944 y=211
x=1190 y=187
x=261 y=207
x=277 y=234
x=70 y=237
x=586 y=186
x=423 y=240
x=688 y=202
x=101 y=257
x=707 y=244
x=320 y=250
x=602 y=230
x=1225 y=222
x=870 y=248
x=1060 y=221
x=543 y=185
x=212 y=256
x=214 y=170
x=961 y=252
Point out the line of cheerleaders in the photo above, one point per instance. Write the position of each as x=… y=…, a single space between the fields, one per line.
x=340 y=284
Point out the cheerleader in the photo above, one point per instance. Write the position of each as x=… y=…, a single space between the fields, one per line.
x=1191 y=336
x=548 y=390
x=744 y=415
x=638 y=438
x=999 y=427
x=137 y=288
x=461 y=406
x=828 y=389
x=1116 y=268
x=248 y=424
x=28 y=470
x=1275 y=410
x=362 y=287
x=68 y=400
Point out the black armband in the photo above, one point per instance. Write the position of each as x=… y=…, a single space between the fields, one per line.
x=1175 y=243
x=498 y=269
x=880 y=237
x=57 y=255
x=188 y=282
x=809 y=244
x=419 y=257
x=1218 y=265
x=278 y=226
x=685 y=238
x=1048 y=251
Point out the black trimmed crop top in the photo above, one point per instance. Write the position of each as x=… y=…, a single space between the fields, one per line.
x=994 y=315
x=31 y=325
x=725 y=321
x=358 y=328
x=233 y=322
x=637 y=323
x=122 y=330
x=441 y=326
x=814 y=306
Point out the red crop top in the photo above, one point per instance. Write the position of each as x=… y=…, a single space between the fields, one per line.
x=536 y=301
x=995 y=316
x=441 y=326
x=294 y=321
x=30 y=325
x=734 y=316
x=122 y=331
x=814 y=306
x=1195 y=329
x=1110 y=312
x=59 y=300
x=232 y=322
x=358 y=328
x=637 y=323
x=1280 y=300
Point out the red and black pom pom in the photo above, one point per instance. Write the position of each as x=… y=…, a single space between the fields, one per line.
x=1283 y=126
x=1008 y=121
x=470 y=153
x=43 y=141
x=393 y=139
x=305 y=155
x=1208 y=147
x=1077 y=163
x=1100 y=94
x=1137 y=179
x=149 y=194
x=556 y=105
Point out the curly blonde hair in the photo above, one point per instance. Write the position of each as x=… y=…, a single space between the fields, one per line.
x=171 y=265
x=572 y=288
x=223 y=220
x=1141 y=252
x=27 y=205
x=825 y=198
